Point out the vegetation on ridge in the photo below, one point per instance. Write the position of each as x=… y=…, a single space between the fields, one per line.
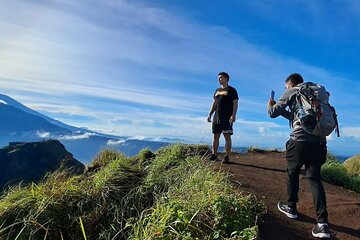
x=337 y=174
x=352 y=165
x=171 y=194
x=261 y=150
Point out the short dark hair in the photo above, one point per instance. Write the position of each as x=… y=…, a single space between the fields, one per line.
x=295 y=79
x=224 y=74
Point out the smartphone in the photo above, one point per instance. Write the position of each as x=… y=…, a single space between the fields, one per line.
x=272 y=95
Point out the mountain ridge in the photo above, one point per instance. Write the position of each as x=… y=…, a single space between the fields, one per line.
x=22 y=124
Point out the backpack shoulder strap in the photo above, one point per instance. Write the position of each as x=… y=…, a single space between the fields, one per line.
x=293 y=101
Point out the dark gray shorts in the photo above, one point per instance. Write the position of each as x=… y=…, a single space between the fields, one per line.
x=223 y=127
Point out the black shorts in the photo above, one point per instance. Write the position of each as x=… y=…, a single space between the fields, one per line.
x=223 y=127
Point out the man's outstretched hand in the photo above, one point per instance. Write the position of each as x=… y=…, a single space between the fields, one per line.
x=271 y=103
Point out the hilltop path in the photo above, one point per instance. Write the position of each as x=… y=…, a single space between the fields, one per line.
x=264 y=175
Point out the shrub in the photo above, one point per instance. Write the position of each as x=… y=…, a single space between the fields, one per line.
x=103 y=158
x=336 y=173
x=352 y=165
x=353 y=183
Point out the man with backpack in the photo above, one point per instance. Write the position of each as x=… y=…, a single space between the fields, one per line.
x=307 y=144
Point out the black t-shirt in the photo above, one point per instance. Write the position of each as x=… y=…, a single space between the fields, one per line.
x=224 y=98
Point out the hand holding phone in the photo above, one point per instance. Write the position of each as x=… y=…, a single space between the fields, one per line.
x=271 y=100
x=272 y=95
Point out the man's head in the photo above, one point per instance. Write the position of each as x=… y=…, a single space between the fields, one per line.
x=223 y=78
x=293 y=80
x=225 y=75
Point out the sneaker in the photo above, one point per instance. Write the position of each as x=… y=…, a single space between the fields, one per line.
x=288 y=211
x=226 y=159
x=321 y=232
x=213 y=157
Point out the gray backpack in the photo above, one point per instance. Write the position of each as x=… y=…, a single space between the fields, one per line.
x=313 y=111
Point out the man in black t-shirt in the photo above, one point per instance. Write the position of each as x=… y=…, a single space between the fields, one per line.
x=225 y=106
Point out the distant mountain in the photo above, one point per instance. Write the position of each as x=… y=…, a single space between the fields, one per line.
x=15 y=122
x=29 y=162
x=20 y=123
x=6 y=100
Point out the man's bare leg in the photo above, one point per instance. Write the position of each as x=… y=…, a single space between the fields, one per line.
x=227 y=147
x=215 y=145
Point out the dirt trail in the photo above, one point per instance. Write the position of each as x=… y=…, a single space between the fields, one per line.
x=264 y=174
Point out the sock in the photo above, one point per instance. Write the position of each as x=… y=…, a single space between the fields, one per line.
x=322 y=224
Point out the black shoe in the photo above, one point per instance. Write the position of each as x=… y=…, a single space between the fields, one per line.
x=226 y=159
x=213 y=157
x=288 y=211
x=321 y=232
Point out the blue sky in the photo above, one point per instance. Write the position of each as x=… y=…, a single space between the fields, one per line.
x=148 y=69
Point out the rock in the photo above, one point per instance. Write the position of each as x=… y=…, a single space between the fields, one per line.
x=30 y=161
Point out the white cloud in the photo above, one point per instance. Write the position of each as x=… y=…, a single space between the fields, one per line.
x=115 y=143
x=137 y=137
x=76 y=137
x=259 y=124
x=43 y=134
x=261 y=130
x=57 y=107
x=154 y=97
x=350 y=132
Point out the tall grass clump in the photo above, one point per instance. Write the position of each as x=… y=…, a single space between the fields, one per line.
x=50 y=208
x=352 y=165
x=170 y=194
x=199 y=203
x=170 y=165
x=336 y=173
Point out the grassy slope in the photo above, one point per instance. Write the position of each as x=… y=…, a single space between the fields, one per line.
x=172 y=194
x=352 y=165
x=336 y=173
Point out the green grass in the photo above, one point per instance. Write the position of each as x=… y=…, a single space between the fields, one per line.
x=352 y=165
x=337 y=174
x=199 y=204
x=173 y=193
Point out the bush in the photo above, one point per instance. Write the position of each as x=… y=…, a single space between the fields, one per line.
x=352 y=165
x=353 y=184
x=336 y=173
